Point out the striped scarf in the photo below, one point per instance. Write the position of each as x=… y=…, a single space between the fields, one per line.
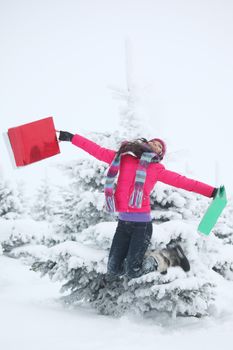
x=136 y=197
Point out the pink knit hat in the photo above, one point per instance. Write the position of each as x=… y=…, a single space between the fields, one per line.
x=163 y=145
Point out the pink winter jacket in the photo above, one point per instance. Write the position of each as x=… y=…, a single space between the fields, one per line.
x=128 y=166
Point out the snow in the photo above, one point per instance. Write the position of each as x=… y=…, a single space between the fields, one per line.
x=28 y=228
x=33 y=318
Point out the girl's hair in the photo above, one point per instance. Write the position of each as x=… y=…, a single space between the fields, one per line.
x=137 y=147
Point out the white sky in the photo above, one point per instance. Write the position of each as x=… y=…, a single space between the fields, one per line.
x=58 y=57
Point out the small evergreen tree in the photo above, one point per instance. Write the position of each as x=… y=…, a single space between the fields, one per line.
x=81 y=265
x=10 y=203
x=43 y=207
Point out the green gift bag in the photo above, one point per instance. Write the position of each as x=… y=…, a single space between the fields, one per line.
x=213 y=212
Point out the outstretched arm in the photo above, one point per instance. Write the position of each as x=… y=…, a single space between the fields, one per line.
x=100 y=153
x=174 y=179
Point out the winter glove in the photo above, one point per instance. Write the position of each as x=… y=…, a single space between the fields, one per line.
x=213 y=195
x=65 y=136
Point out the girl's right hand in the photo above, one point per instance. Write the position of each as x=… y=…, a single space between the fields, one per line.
x=65 y=136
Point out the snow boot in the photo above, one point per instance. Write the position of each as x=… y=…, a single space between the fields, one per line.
x=156 y=261
x=160 y=260
x=176 y=256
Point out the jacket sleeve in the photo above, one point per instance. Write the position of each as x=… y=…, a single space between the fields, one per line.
x=100 y=153
x=174 y=179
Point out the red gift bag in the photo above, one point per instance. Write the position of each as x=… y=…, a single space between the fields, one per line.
x=33 y=141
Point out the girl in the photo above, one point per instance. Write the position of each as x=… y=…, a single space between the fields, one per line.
x=139 y=167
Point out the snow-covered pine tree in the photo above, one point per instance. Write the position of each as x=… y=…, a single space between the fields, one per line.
x=81 y=265
x=10 y=203
x=23 y=235
x=43 y=206
x=23 y=196
x=81 y=203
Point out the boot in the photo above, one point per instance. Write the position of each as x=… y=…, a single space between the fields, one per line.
x=177 y=257
x=173 y=255
x=157 y=260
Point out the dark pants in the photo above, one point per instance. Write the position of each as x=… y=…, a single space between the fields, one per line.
x=129 y=246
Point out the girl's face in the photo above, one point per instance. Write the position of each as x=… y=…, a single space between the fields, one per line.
x=156 y=146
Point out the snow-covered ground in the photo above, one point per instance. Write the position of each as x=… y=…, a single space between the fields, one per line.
x=32 y=318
